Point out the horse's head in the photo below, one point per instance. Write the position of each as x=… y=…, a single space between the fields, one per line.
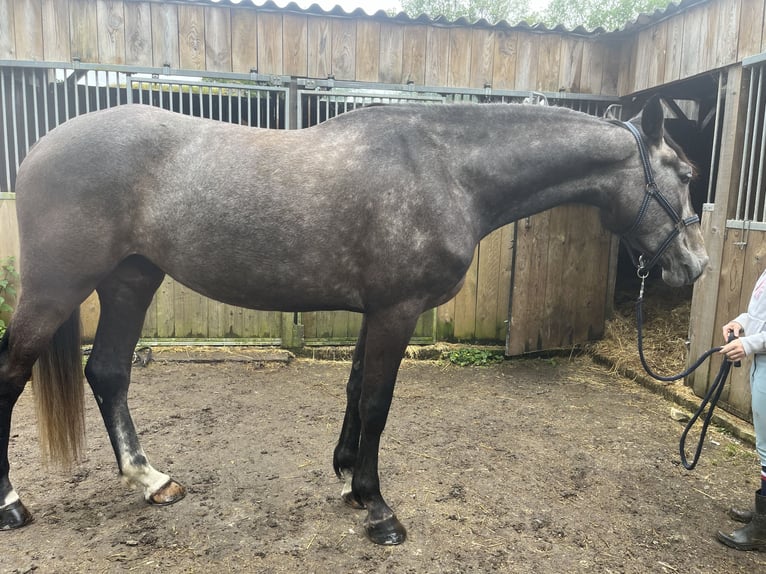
x=665 y=229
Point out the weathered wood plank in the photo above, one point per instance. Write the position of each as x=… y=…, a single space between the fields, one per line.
x=650 y=64
x=465 y=303
x=27 y=19
x=190 y=313
x=549 y=62
x=702 y=324
x=414 y=50
x=217 y=39
x=319 y=47
x=445 y=321
x=482 y=58
x=750 y=33
x=83 y=30
x=437 y=56
x=344 y=49
x=295 y=48
x=593 y=60
x=674 y=50
x=55 y=26
x=9 y=229
x=571 y=63
x=695 y=21
x=459 y=71
x=391 y=54
x=367 y=51
x=90 y=310
x=527 y=62
x=488 y=286
x=191 y=37
x=504 y=60
x=244 y=40
x=507 y=234
x=555 y=316
x=111 y=31
x=737 y=393
x=7 y=31
x=731 y=290
x=164 y=298
x=724 y=51
x=270 y=43
x=612 y=66
x=138 y=34
x=585 y=272
x=165 y=35
x=529 y=276
x=149 y=328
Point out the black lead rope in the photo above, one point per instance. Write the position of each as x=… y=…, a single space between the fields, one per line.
x=711 y=397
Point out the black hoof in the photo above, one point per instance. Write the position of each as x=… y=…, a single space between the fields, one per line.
x=387 y=532
x=15 y=515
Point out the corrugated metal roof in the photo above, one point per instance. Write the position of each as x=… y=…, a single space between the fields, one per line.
x=642 y=21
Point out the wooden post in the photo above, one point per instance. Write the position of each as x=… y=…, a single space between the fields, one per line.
x=703 y=332
x=292 y=331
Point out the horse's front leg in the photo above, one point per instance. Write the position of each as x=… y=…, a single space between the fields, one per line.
x=387 y=336
x=125 y=296
x=347 y=449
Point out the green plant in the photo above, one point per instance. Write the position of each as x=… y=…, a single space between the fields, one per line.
x=474 y=357
x=8 y=280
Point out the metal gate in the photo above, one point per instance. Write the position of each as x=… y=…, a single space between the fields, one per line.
x=37 y=96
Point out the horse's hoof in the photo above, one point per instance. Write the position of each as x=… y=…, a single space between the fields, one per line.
x=388 y=532
x=15 y=515
x=168 y=493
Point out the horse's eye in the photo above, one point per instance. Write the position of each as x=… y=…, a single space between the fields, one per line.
x=686 y=177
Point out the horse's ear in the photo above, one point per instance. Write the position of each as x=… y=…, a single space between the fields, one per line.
x=652 y=121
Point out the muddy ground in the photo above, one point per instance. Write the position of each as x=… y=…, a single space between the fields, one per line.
x=528 y=466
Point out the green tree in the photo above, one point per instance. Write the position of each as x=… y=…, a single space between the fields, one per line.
x=608 y=14
x=491 y=10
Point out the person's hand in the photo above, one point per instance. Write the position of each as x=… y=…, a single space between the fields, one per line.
x=731 y=327
x=734 y=351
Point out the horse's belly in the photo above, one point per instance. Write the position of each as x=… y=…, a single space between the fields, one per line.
x=285 y=291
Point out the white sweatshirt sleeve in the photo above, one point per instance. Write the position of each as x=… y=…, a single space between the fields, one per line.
x=754 y=320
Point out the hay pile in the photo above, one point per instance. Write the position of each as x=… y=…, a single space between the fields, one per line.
x=666 y=330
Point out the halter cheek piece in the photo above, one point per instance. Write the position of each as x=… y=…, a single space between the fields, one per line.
x=652 y=192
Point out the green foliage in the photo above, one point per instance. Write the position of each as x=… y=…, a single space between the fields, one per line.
x=474 y=357
x=608 y=14
x=490 y=10
x=8 y=280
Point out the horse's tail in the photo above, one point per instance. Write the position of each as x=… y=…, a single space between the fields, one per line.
x=57 y=381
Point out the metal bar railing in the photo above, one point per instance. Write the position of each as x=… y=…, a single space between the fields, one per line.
x=35 y=97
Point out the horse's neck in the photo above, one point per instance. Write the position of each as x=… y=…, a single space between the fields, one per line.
x=533 y=162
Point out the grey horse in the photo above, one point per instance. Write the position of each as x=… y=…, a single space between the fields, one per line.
x=377 y=211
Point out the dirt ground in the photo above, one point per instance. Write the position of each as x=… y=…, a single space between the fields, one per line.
x=533 y=465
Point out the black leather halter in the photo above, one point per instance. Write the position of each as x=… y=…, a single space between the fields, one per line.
x=652 y=192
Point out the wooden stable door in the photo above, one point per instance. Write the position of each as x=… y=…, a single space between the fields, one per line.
x=560 y=282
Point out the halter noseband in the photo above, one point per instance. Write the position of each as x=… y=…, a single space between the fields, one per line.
x=652 y=192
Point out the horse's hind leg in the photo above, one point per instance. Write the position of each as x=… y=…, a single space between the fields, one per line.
x=13 y=514
x=125 y=295
x=347 y=449
x=41 y=324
